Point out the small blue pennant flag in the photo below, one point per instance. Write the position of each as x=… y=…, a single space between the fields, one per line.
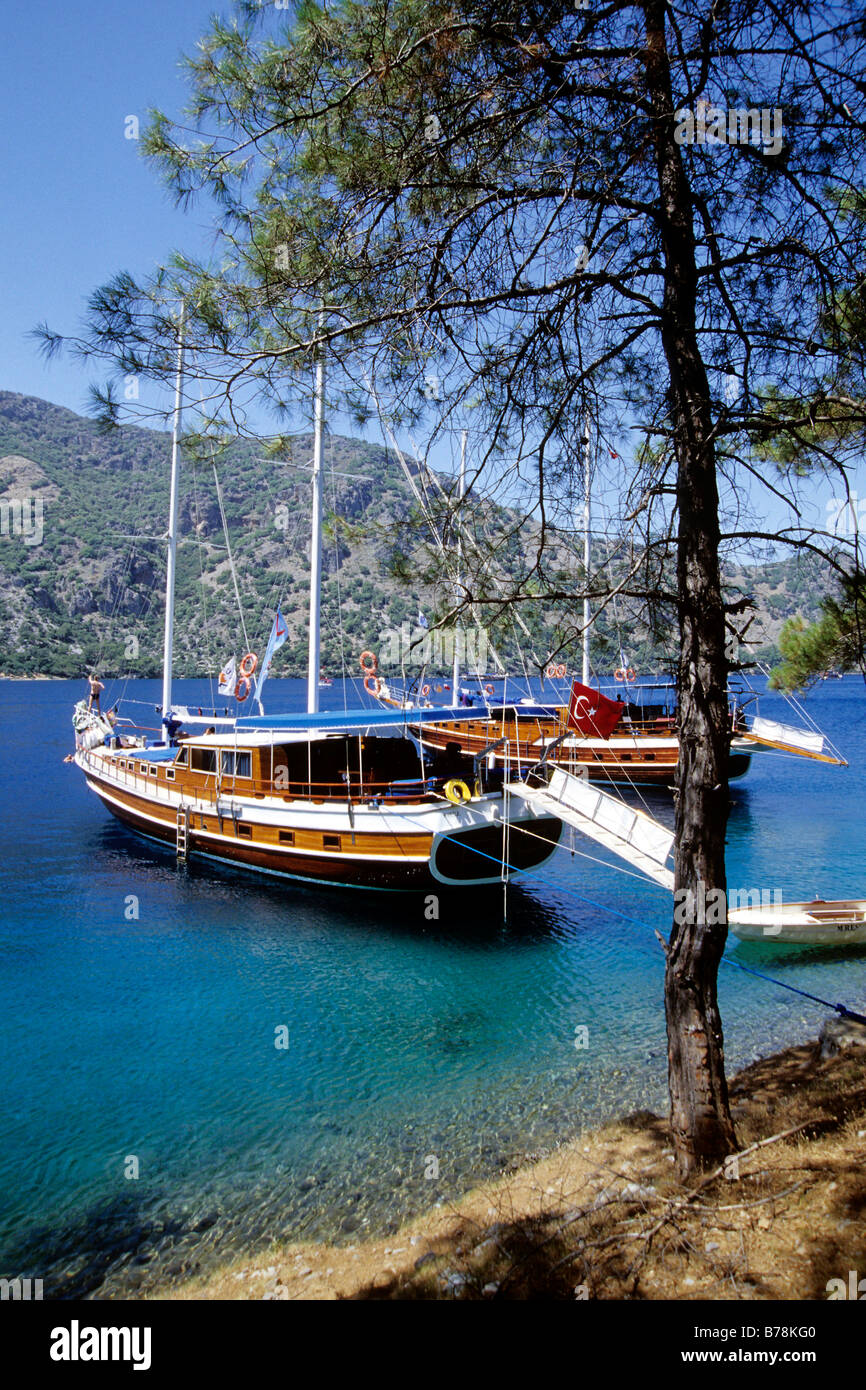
x=279 y=634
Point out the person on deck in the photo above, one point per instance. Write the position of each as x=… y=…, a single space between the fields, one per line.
x=96 y=689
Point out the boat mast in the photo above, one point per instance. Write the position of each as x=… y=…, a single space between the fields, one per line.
x=461 y=489
x=171 y=566
x=313 y=660
x=587 y=517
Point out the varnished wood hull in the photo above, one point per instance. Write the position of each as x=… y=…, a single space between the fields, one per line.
x=458 y=855
x=623 y=759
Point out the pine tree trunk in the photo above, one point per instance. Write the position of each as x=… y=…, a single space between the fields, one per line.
x=703 y=1131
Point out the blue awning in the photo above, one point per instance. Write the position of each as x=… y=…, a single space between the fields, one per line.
x=357 y=720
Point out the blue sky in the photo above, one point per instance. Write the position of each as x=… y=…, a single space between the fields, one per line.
x=80 y=202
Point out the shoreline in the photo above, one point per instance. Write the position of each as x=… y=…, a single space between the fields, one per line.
x=603 y=1215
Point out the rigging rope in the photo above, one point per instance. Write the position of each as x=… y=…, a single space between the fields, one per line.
x=841 y=1009
x=229 y=550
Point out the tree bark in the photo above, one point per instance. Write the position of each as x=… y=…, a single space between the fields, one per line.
x=703 y=1130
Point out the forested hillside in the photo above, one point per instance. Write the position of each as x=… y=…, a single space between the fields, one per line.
x=90 y=591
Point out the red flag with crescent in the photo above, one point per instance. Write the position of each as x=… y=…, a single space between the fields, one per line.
x=592 y=714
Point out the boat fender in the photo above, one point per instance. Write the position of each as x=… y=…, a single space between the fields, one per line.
x=457 y=791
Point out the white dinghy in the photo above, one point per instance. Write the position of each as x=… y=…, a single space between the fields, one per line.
x=818 y=923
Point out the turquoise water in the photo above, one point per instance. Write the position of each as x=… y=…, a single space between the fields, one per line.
x=152 y=1037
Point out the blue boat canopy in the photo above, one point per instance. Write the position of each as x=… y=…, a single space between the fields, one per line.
x=158 y=754
x=357 y=720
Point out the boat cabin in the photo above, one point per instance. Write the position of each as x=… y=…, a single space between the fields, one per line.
x=312 y=766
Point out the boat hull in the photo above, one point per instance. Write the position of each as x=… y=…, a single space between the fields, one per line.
x=648 y=761
x=817 y=923
x=424 y=850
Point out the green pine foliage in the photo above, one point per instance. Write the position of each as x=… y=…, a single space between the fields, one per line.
x=835 y=641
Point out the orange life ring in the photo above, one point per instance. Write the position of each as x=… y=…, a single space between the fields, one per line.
x=631 y=674
x=372 y=685
x=371 y=666
x=560 y=670
x=488 y=690
x=619 y=674
x=425 y=690
x=246 y=683
x=550 y=671
x=249 y=664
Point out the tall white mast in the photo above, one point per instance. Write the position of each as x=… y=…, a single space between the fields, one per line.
x=461 y=488
x=587 y=519
x=171 y=566
x=313 y=660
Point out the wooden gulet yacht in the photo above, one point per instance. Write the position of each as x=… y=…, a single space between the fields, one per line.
x=348 y=799
x=642 y=750
x=640 y=747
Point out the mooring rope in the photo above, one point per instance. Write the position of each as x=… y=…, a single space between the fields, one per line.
x=841 y=1009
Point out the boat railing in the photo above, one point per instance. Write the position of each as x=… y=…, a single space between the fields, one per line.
x=364 y=789
x=214 y=790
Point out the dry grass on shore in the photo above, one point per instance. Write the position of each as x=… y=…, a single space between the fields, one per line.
x=604 y=1216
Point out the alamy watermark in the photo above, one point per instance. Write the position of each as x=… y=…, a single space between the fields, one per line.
x=22 y=516
x=710 y=906
x=21 y=1290
x=854 y=1289
x=404 y=646
x=846 y=516
x=723 y=125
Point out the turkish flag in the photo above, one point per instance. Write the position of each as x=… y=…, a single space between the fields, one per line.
x=591 y=713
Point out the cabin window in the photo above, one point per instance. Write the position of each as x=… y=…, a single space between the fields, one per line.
x=245 y=832
x=650 y=757
x=182 y=757
x=169 y=774
x=203 y=760
x=330 y=842
x=236 y=764
x=142 y=767
x=152 y=770
x=287 y=837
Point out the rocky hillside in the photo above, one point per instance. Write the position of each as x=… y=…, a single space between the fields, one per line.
x=82 y=555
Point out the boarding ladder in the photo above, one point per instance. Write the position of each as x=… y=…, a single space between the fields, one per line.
x=629 y=833
x=182 y=834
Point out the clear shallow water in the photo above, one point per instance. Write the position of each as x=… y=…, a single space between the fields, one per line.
x=408 y=1039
